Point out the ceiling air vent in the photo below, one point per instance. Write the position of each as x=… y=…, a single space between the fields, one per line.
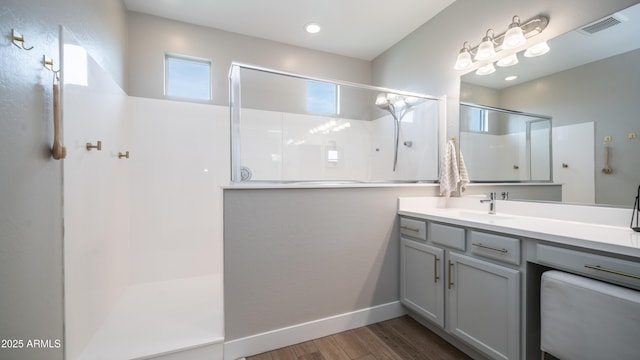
x=602 y=24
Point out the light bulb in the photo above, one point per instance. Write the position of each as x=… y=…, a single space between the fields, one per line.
x=537 y=50
x=312 y=28
x=514 y=36
x=464 y=60
x=486 y=49
x=486 y=70
x=508 y=60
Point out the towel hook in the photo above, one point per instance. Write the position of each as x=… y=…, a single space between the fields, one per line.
x=97 y=146
x=48 y=64
x=606 y=169
x=16 y=38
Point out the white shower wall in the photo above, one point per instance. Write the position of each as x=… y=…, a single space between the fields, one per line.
x=96 y=215
x=292 y=147
x=508 y=154
x=143 y=235
x=179 y=160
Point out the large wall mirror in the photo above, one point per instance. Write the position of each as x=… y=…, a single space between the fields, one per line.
x=589 y=84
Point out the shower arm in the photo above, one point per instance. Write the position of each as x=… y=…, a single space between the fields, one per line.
x=396 y=129
x=387 y=105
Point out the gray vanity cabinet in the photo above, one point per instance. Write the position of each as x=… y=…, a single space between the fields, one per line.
x=442 y=279
x=484 y=305
x=422 y=279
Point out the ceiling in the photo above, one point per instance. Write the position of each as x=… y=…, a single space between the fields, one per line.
x=361 y=29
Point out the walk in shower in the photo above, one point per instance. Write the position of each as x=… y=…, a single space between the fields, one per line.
x=293 y=128
x=142 y=220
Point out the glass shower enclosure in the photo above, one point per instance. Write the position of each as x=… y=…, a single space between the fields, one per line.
x=288 y=128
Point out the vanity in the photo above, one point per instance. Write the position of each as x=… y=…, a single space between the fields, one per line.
x=474 y=277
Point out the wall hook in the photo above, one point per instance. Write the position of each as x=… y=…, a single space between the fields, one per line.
x=606 y=169
x=18 y=40
x=97 y=146
x=123 y=155
x=48 y=64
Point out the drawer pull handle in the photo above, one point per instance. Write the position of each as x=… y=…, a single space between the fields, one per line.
x=504 y=251
x=435 y=270
x=600 y=268
x=450 y=284
x=410 y=228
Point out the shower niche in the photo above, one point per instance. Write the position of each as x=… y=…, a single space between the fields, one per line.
x=292 y=128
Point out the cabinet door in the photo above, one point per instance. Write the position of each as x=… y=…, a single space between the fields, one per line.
x=484 y=306
x=422 y=279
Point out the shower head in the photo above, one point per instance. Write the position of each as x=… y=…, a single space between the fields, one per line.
x=383 y=101
x=392 y=102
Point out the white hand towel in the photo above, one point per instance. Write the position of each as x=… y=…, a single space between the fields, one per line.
x=449 y=174
x=464 y=175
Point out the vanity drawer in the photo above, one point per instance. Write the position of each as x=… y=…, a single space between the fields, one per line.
x=497 y=247
x=610 y=269
x=413 y=228
x=446 y=235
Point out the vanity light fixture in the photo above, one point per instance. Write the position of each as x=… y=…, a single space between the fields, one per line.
x=464 y=60
x=491 y=45
x=508 y=60
x=486 y=69
x=312 y=28
x=537 y=50
x=514 y=37
x=486 y=49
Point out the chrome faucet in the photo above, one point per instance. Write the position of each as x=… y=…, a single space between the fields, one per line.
x=492 y=202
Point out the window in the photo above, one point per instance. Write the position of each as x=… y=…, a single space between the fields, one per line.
x=75 y=65
x=478 y=120
x=187 y=77
x=322 y=97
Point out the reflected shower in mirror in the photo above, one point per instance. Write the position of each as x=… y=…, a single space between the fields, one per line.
x=502 y=145
x=589 y=83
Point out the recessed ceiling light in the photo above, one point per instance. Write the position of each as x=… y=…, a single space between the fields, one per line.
x=312 y=28
x=512 y=77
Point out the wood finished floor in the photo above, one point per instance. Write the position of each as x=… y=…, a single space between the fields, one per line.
x=397 y=339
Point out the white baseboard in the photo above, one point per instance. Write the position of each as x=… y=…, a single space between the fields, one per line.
x=259 y=343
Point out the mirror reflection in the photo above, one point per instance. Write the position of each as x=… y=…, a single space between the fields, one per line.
x=589 y=84
x=518 y=144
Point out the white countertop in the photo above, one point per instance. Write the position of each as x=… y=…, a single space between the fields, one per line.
x=590 y=227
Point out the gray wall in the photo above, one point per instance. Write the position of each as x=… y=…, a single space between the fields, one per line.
x=30 y=181
x=150 y=37
x=297 y=255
